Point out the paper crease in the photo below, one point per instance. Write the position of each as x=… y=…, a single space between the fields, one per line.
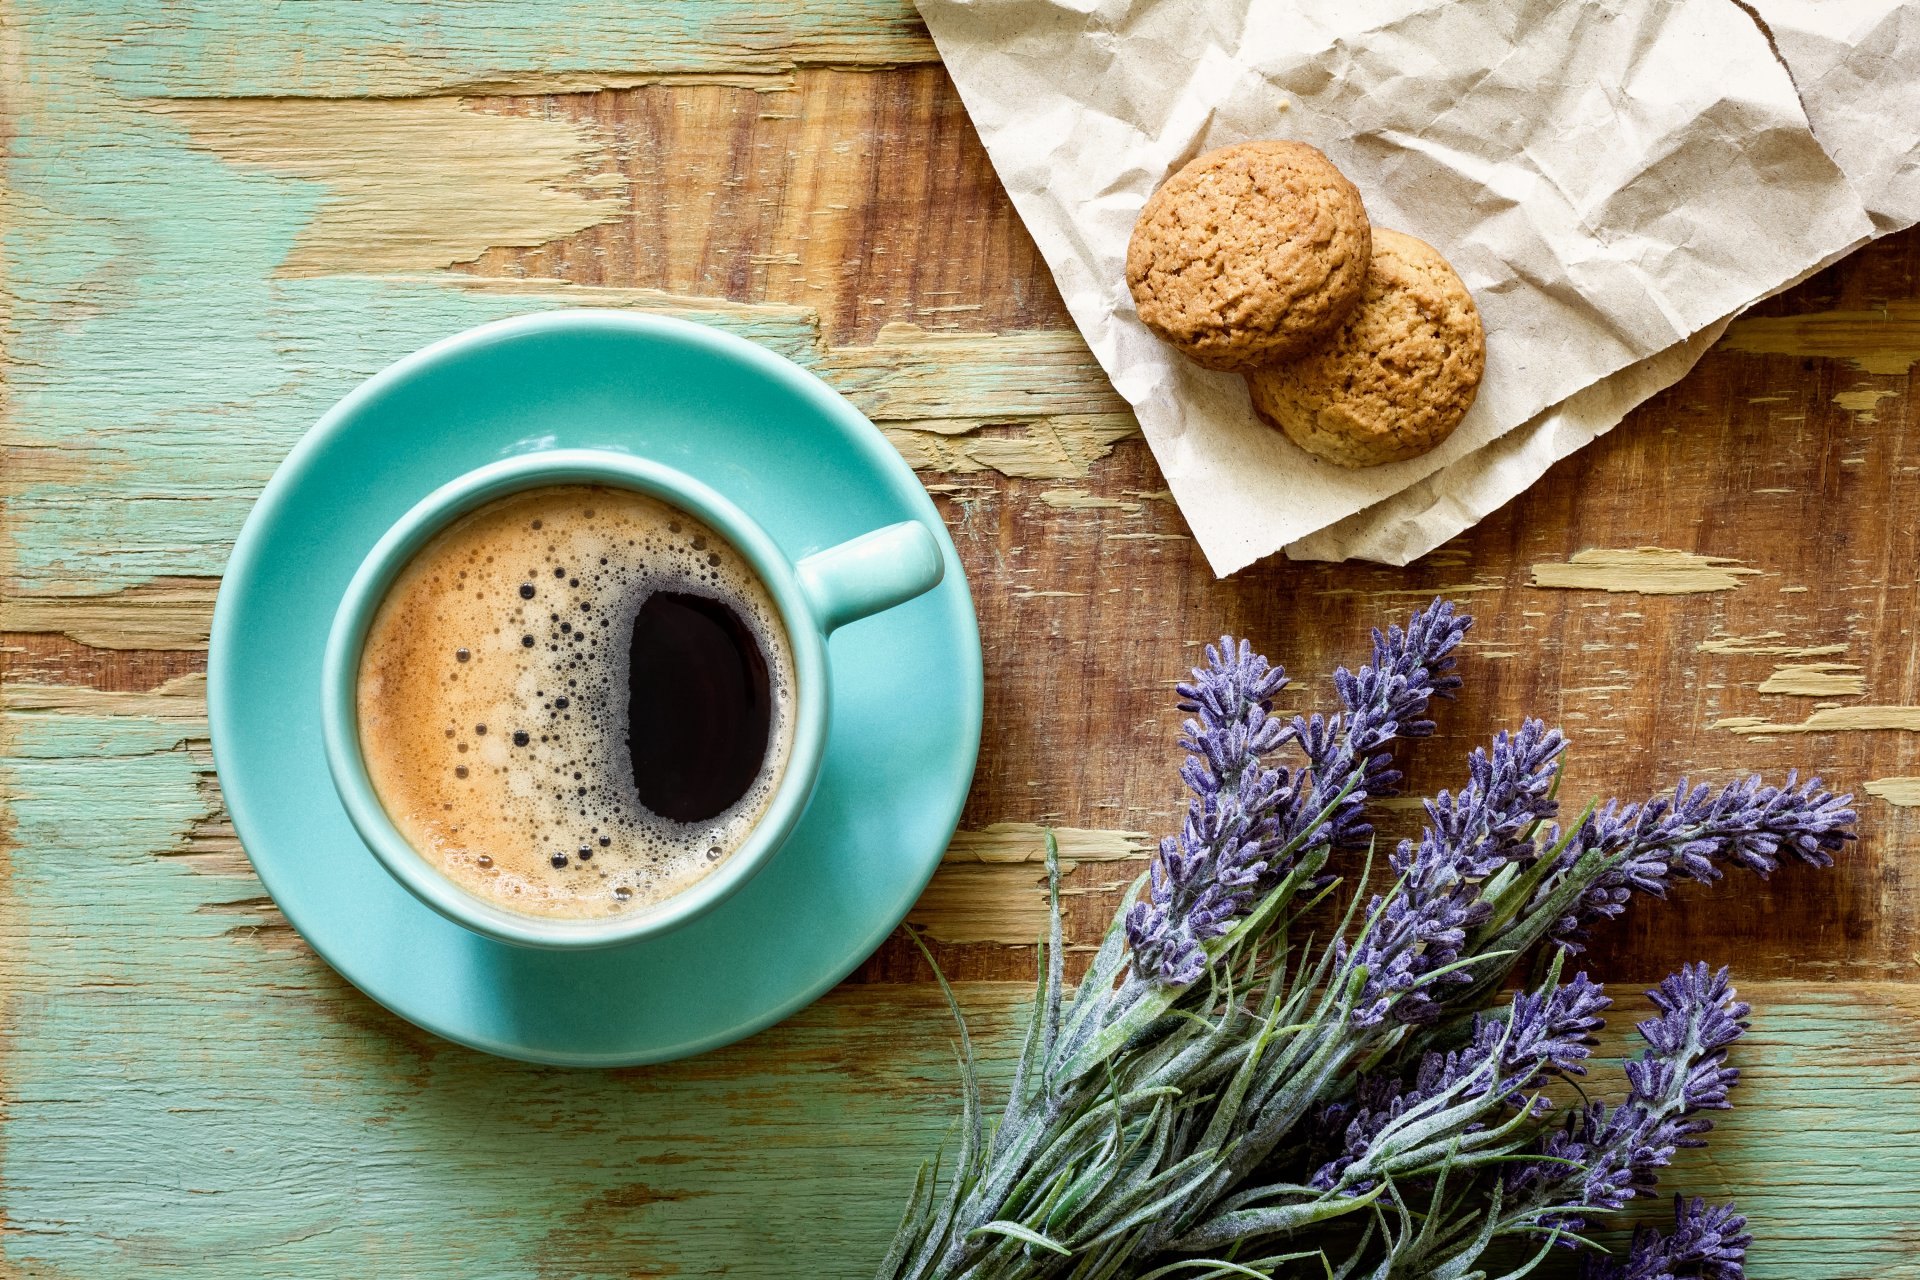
x=1604 y=230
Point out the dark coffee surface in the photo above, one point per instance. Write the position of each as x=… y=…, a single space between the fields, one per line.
x=700 y=706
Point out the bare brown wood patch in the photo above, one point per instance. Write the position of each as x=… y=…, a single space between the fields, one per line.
x=864 y=196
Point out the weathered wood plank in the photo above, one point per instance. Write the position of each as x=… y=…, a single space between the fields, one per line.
x=183 y=481
x=396 y=48
x=1883 y=340
x=187 y=1091
x=164 y=613
x=191 y=1092
x=865 y=197
x=392 y=168
x=277 y=199
x=988 y=888
x=1088 y=613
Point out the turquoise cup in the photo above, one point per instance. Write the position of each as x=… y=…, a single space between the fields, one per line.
x=821 y=592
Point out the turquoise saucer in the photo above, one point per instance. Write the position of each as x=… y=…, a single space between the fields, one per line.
x=811 y=470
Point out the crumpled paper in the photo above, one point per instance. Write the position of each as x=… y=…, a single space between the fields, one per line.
x=1614 y=181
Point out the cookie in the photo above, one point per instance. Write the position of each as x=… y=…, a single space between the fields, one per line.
x=1250 y=254
x=1396 y=377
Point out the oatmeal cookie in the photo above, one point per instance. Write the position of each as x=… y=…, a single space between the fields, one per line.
x=1250 y=254
x=1396 y=377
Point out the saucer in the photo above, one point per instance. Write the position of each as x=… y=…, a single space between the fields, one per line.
x=901 y=741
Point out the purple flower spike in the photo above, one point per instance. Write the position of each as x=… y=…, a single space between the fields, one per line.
x=1688 y=834
x=1617 y=1155
x=1708 y=1241
x=1243 y=813
x=1549 y=1033
x=1384 y=700
x=1557 y=1028
x=1206 y=877
x=1420 y=927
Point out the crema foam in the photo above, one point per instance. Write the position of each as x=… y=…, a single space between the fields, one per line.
x=576 y=701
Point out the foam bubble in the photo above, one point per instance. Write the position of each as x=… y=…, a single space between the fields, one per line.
x=538 y=810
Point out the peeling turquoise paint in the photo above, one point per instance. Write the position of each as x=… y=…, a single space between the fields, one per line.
x=159 y=369
x=203 y=48
x=183 y=1100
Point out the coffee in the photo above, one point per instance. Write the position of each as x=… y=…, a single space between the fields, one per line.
x=576 y=701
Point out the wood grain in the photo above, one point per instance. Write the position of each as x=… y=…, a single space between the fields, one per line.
x=866 y=198
x=219 y=221
x=397 y=48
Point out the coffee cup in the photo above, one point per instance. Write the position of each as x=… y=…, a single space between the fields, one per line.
x=811 y=596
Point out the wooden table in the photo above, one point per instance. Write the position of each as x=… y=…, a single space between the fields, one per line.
x=219 y=218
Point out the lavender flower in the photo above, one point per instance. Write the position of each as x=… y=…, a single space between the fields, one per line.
x=1243 y=813
x=1545 y=1033
x=1386 y=699
x=1612 y=1156
x=1422 y=924
x=1688 y=834
x=1556 y=1028
x=1206 y=876
x=1220 y=1115
x=1708 y=1241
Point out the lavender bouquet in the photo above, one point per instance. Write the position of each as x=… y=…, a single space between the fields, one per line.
x=1221 y=1096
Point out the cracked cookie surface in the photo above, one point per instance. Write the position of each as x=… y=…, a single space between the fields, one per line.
x=1397 y=376
x=1249 y=254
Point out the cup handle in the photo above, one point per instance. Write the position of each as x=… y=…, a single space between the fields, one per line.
x=869 y=573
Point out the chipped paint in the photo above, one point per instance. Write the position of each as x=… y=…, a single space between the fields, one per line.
x=1904 y=791
x=1082 y=500
x=1886 y=341
x=391 y=170
x=169 y=613
x=1015 y=842
x=912 y=373
x=401 y=48
x=792 y=330
x=1768 y=644
x=979 y=903
x=991 y=887
x=540 y=84
x=1864 y=403
x=182 y=699
x=1653 y=571
x=1063 y=447
x=1829 y=720
x=1816 y=680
